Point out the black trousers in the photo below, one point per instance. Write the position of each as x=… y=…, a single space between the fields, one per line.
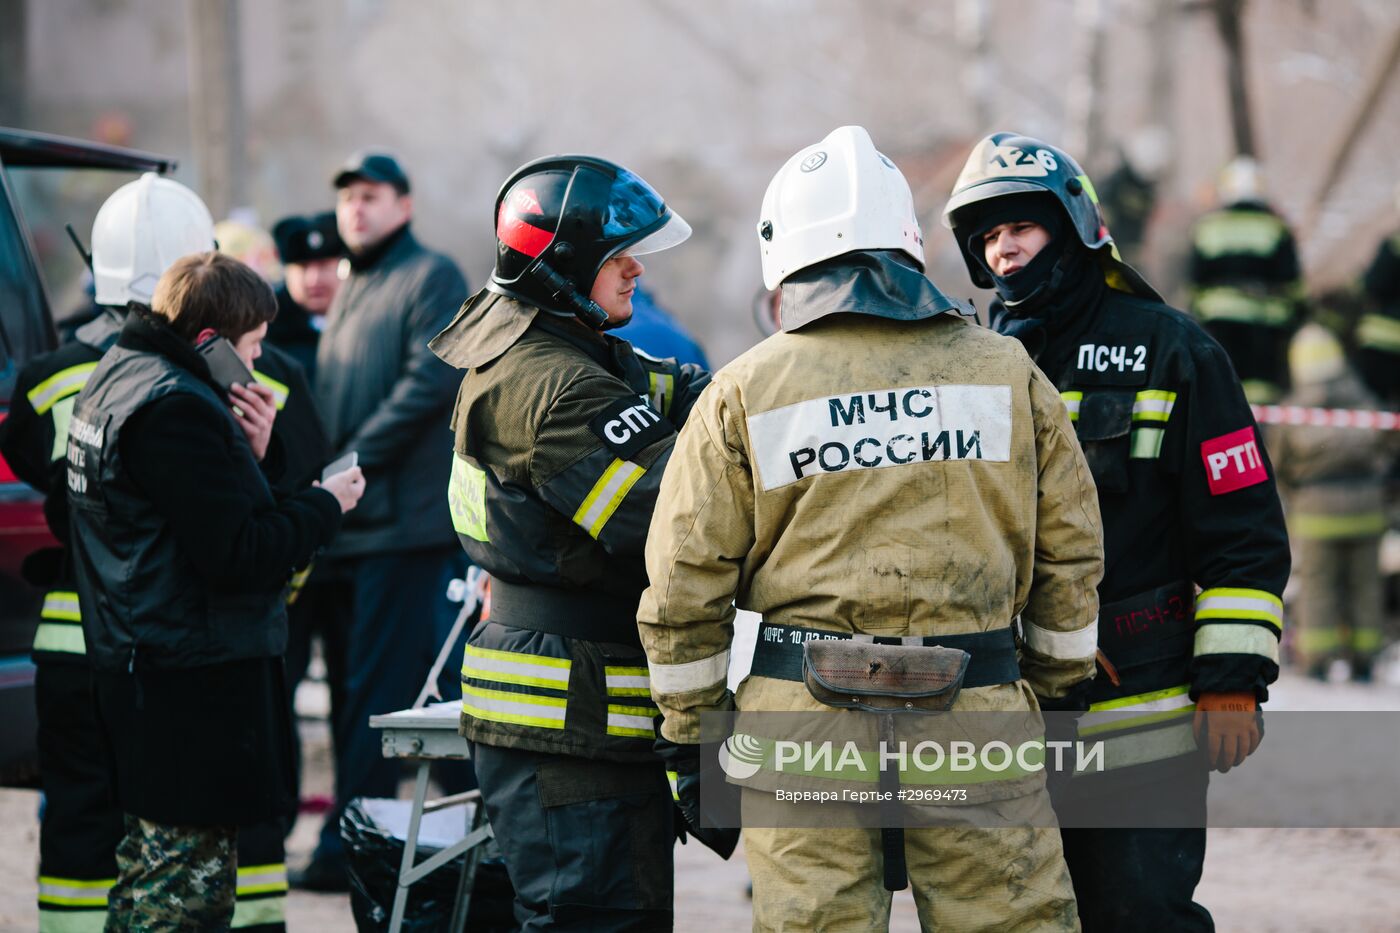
x=1143 y=879
x=82 y=825
x=587 y=844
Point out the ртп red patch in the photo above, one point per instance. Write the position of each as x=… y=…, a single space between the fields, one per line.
x=1233 y=461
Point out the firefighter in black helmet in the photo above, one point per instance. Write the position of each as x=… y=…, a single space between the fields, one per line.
x=1189 y=504
x=562 y=434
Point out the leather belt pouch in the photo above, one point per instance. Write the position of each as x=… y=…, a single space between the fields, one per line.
x=858 y=674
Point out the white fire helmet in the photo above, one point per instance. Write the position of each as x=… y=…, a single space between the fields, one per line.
x=140 y=231
x=835 y=197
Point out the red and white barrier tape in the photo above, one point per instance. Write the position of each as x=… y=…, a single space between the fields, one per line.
x=1327 y=417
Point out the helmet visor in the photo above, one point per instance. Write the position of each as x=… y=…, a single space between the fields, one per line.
x=673 y=232
x=637 y=216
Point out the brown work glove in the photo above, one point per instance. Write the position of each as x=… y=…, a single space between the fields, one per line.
x=1231 y=733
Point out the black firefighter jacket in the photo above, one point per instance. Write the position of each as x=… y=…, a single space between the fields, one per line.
x=1195 y=549
x=562 y=438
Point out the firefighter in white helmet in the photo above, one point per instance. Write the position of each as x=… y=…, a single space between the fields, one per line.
x=952 y=460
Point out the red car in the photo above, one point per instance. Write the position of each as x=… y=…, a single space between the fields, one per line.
x=27 y=330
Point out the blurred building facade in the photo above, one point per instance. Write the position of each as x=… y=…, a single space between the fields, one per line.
x=706 y=101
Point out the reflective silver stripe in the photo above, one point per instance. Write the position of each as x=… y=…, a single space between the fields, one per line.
x=62 y=637
x=265 y=911
x=1072 y=403
x=72 y=920
x=1236 y=638
x=60 y=385
x=262 y=879
x=513 y=667
x=1226 y=602
x=607 y=494
x=627 y=681
x=1080 y=643
x=631 y=721
x=1153 y=405
x=1140 y=710
x=61 y=605
x=692 y=675
x=279 y=391
x=70 y=892
x=1142 y=747
x=519 y=708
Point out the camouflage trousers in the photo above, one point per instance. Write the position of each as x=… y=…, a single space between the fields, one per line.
x=172 y=878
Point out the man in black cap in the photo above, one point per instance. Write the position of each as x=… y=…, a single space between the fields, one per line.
x=311 y=251
x=384 y=395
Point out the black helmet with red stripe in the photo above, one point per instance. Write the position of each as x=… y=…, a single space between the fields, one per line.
x=558 y=219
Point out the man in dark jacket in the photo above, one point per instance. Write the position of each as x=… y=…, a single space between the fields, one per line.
x=1189 y=502
x=563 y=434
x=182 y=556
x=384 y=395
x=311 y=253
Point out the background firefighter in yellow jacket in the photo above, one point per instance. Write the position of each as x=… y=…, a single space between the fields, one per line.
x=562 y=434
x=881 y=466
x=1333 y=485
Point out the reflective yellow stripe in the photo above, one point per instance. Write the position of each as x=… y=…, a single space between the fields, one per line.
x=260 y=912
x=1379 y=332
x=62 y=415
x=279 y=391
x=662 y=387
x=1235 y=233
x=60 y=385
x=1319 y=639
x=1156 y=706
x=466 y=499
x=1366 y=639
x=536 y=660
x=1236 y=638
x=632 y=721
x=511 y=667
x=1366 y=524
x=1072 y=402
x=1146 y=443
x=607 y=495
x=71 y=892
x=1153 y=405
x=261 y=879
x=627 y=681
x=1260 y=391
x=1226 y=303
x=1239 y=603
x=61 y=605
x=522 y=709
x=673 y=778
x=61 y=637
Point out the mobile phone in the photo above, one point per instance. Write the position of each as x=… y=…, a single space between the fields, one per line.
x=341 y=464
x=224 y=364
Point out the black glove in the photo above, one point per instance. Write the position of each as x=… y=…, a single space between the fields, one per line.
x=683 y=767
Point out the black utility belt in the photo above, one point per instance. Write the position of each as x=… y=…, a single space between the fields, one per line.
x=570 y=613
x=992 y=654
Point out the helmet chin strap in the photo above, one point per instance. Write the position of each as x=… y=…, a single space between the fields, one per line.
x=564 y=295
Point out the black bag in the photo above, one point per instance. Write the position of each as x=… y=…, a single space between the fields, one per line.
x=375 y=853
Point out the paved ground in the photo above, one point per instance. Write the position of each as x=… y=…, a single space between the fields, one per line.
x=1256 y=880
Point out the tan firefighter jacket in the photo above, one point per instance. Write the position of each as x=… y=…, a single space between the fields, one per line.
x=864 y=474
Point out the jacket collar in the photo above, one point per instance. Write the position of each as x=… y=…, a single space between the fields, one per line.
x=875 y=282
x=490 y=323
x=102 y=331
x=147 y=332
x=394 y=245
